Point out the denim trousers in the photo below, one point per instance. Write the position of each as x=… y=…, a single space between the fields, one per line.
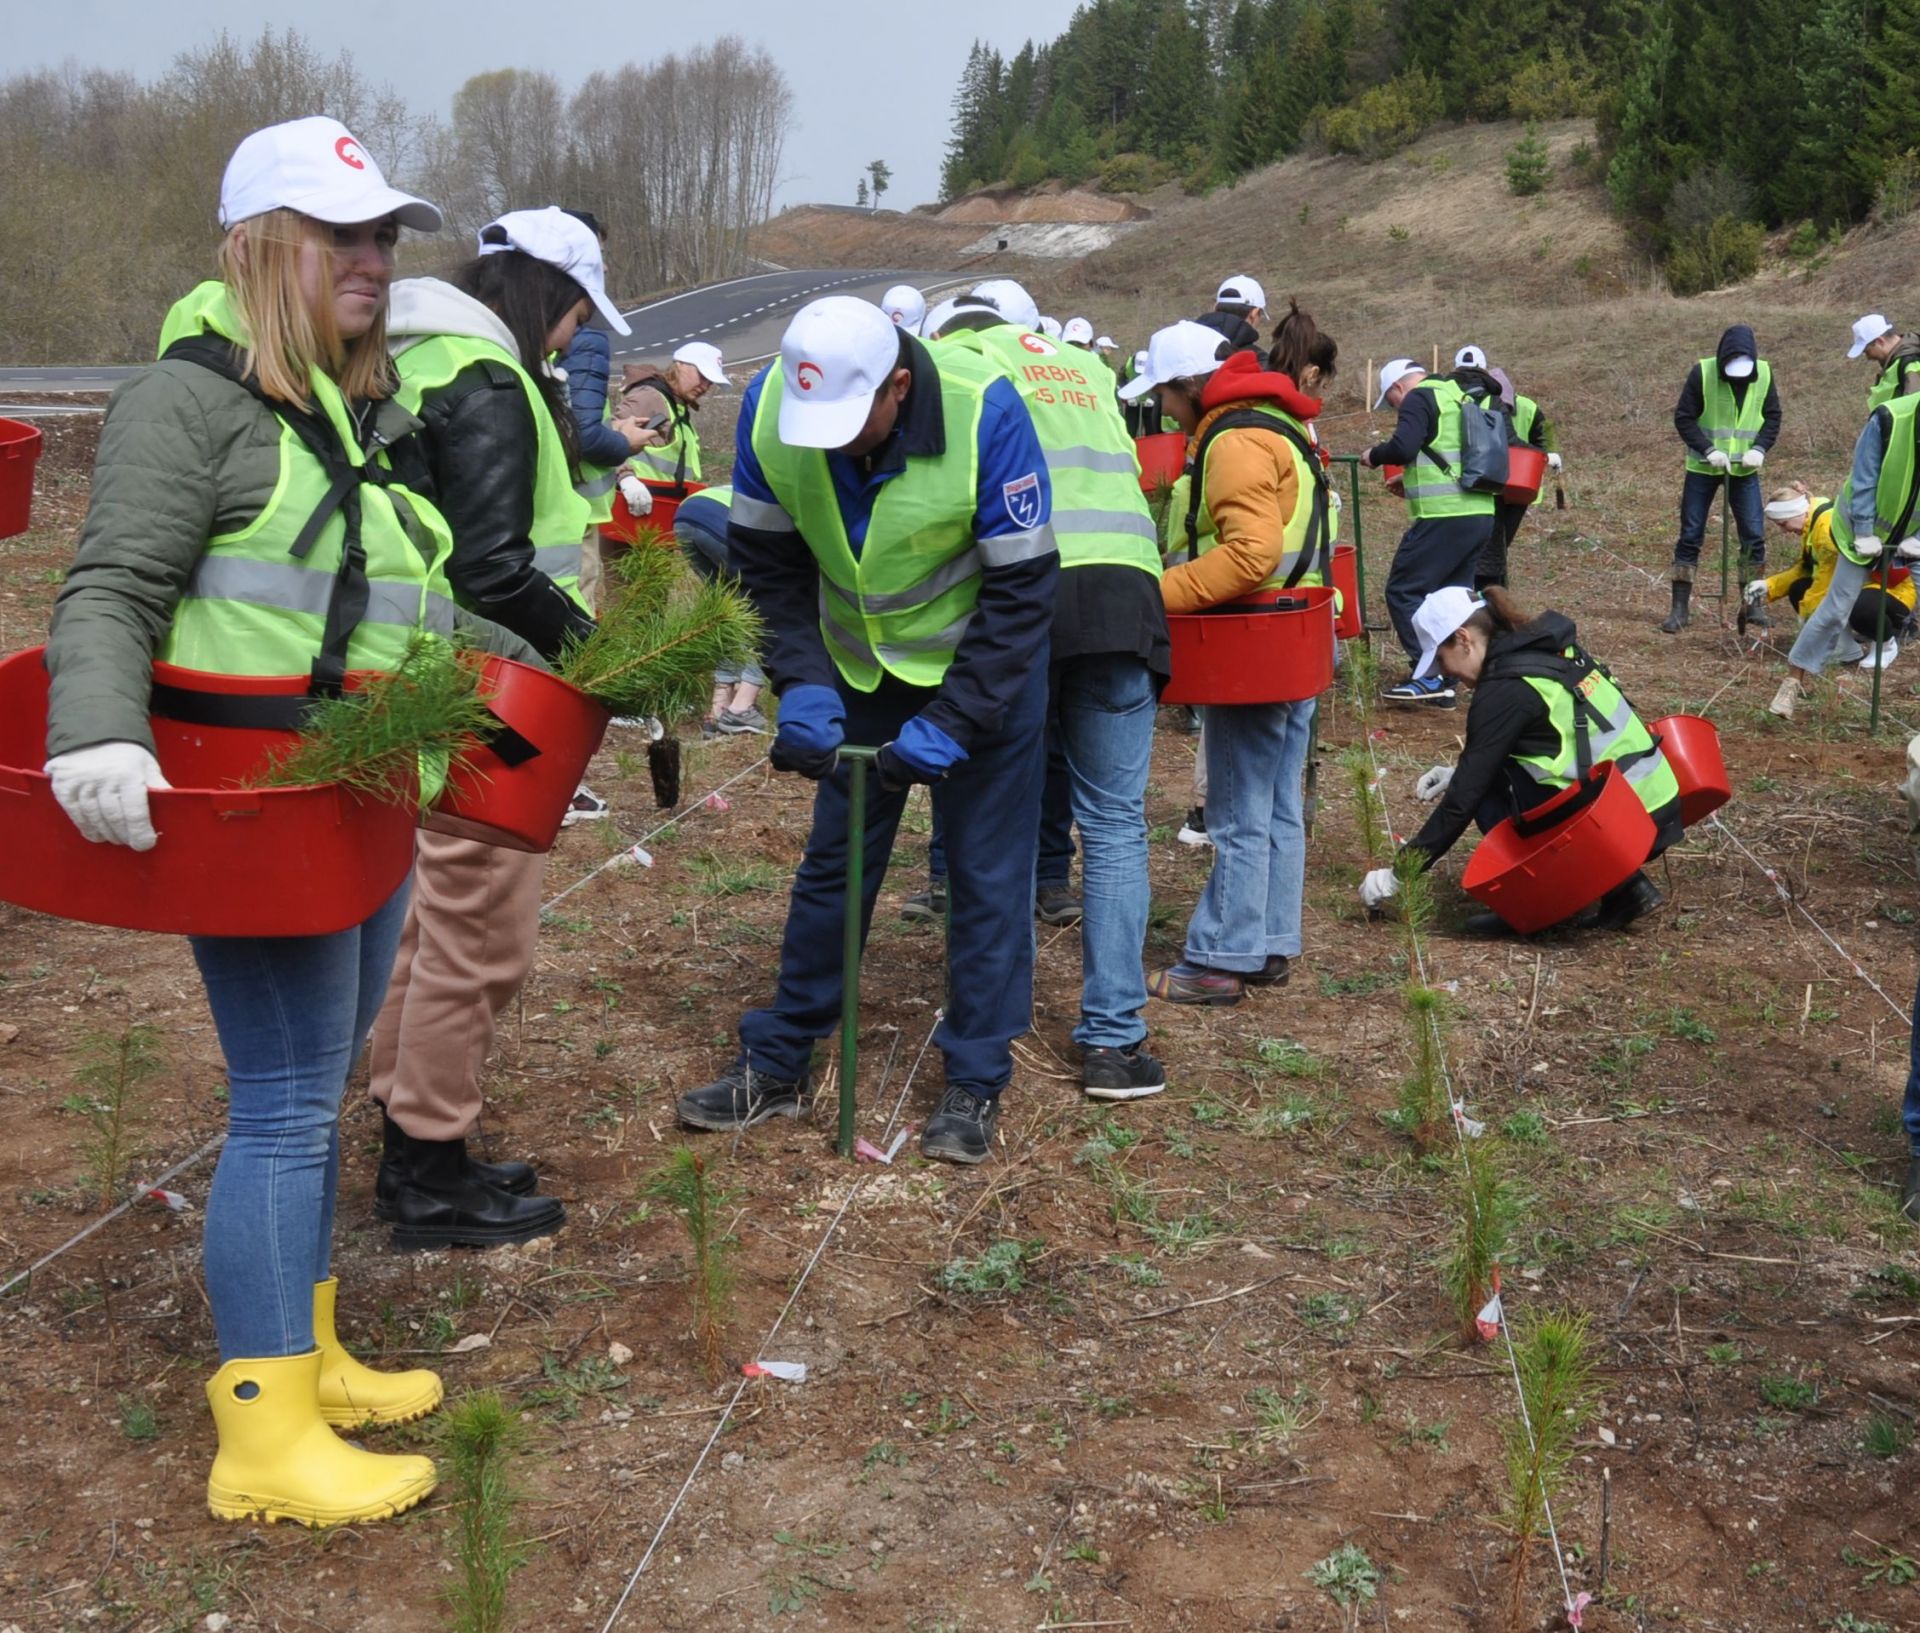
x=1910 y=1110
x=1743 y=501
x=292 y=1013
x=1256 y=769
x=1826 y=630
x=989 y=808
x=1433 y=553
x=1103 y=713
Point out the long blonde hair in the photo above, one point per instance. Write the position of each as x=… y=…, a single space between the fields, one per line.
x=284 y=340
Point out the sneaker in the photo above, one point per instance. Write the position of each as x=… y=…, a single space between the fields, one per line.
x=741 y=722
x=1887 y=654
x=710 y=727
x=1785 y=698
x=585 y=806
x=1435 y=692
x=930 y=906
x=1273 y=973
x=1057 y=904
x=1121 y=1074
x=1194 y=830
x=740 y=1097
x=962 y=1129
x=1487 y=925
x=1195 y=984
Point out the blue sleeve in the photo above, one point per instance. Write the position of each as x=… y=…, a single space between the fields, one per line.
x=1020 y=567
x=588 y=362
x=1869 y=454
x=1412 y=431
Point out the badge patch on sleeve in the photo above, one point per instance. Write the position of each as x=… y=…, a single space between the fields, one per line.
x=1023 y=499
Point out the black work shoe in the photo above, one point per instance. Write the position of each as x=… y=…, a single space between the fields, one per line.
x=1625 y=903
x=927 y=907
x=1057 y=904
x=1121 y=1074
x=515 y=1178
x=441 y=1201
x=740 y=1097
x=1273 y=973
x=1910 y=1192
x=962 y=1129
x=1486 y=924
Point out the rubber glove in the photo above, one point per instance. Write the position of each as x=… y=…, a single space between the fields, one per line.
x=1753 y=459
x=104 y=789
x=812 y=727
x=1907 y=549
x=638 y=495
x=1378 y=887
x=921 y=752
x=1757 y=588
x=1433 y=784
x=1718 y=459
x=1554 y=462
x=1866 y=547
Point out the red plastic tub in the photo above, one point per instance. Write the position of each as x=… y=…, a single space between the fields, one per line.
x=1541 y=868
x=1279 y=650
x=1526 y=470
x=625 y=528
x=1351 y=623
x=1692 y=747
x=231 y=861
x=1163 y=457
x=19 y=453
x=515 y=790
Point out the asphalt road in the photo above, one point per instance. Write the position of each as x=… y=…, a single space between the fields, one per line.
x=744 y=317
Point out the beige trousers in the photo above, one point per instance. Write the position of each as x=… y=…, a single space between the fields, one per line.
x=467 y=946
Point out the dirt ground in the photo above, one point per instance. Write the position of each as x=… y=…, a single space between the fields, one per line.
x=1226 y=1350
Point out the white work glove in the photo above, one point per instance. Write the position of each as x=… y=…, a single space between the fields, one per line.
x=1753 y=459
x=1757 y=587
x=1718 y=459
x=638 y=495
x=1906 y=550
x=104 y=789
x=1866 y=547
x=1554 y=462
x=1377 y=887
x=1433 y=784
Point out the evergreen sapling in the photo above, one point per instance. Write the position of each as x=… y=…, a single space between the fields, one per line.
x=1558 y=1391
x=682 y=1183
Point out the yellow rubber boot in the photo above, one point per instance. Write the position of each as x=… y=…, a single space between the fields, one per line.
x=279 y=1461
x=353 y=1396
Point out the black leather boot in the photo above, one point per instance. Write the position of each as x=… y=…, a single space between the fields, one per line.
x=442 y=1201
x=1625 y=903
x=1679 y=617
x=515 y=1178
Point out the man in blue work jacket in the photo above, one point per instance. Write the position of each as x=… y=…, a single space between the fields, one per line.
x=892 y=522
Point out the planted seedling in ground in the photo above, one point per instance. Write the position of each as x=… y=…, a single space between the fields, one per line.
x=479 y=1439
x=1423 y=1109
x=682 y=1184
x=1484 y=1210
x=116 y=1065
x=1557 y=1393
x=1368 y=813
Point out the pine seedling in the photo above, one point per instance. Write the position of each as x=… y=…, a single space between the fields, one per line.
x=1424 y=1108
x=1557 y=1388
x=661 y=634
x=1484 y=1210
x=115 y=1066
x=479 y=1436
x=1414 y=898
x=1360 y=680
x=682 y=1183
x=373 y=739
x=1367 y=812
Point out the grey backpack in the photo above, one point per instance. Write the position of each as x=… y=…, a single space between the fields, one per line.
x=1485 y=434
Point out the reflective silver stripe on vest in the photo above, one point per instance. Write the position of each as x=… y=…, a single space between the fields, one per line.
x=595 y=487
x=1716 y=432
x=440 y=614
x=558 y=560
x=1105 y=521
x=298 y=589
x=669 y=468
x=948 y=576
x=1103 y=460
x=762 y=514
x=944 y=640
x=831 y=614
x=1430 y=490
x=1010 y=549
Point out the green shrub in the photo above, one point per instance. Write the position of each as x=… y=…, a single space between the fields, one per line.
x=1528 y=164
x=1132 y=173
x=1384 y=119
x=1899 y=190
x=1728 y=252
x=1556 y=86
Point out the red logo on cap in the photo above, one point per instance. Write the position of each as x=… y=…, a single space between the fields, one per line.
x=349 y=151
x=1035 y=343
x=800 y=375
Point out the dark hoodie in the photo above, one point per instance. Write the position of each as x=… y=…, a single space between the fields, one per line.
x=1508 y=718
x=1243 y=336
x=1738 y=341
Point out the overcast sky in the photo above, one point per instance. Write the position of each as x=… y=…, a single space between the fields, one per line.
x=870 y=80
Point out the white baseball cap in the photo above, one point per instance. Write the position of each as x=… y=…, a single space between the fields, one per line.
x=836 y=354
x=1738 y=368
x=1006 y=297
x=1078 y=332
x=1240 y=290
x=1050 y=327
x=564 y=242
x=906 y=306
x=1392 y=373
x=1105 y=343
x=315 y=166
x=1436 y=619
x=937 y=319
x=1180 y=351
x=1866 y=331
x=1140 y=361
x=1469 y=357
x=704 y=356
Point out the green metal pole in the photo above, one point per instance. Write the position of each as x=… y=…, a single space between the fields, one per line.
x=1726 y=501
x=857 y=761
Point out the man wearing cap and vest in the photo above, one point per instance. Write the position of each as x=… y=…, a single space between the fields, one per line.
x=1110 y=657
x=1895 y=357
x=1451 y=523
x=892 y=522
x=1491 y=388
x=1239 y=309
x=1728 y=416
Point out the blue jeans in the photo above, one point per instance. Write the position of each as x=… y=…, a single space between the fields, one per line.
x=990 y=808
x=1056 y=822
x=1433 y=553
x=1103 y=709
x=1825 y=634
x=1743 y=499
x=293 y=1014
x=1256 y=766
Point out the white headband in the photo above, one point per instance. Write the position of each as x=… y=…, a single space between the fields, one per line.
x=1785 y=510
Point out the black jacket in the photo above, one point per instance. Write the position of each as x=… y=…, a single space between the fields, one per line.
x=1418 y=422
x=1240 y=334
x=480 y=449
x=1737 y=341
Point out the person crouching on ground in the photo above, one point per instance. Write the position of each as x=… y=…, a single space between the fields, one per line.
x=1543 y=714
